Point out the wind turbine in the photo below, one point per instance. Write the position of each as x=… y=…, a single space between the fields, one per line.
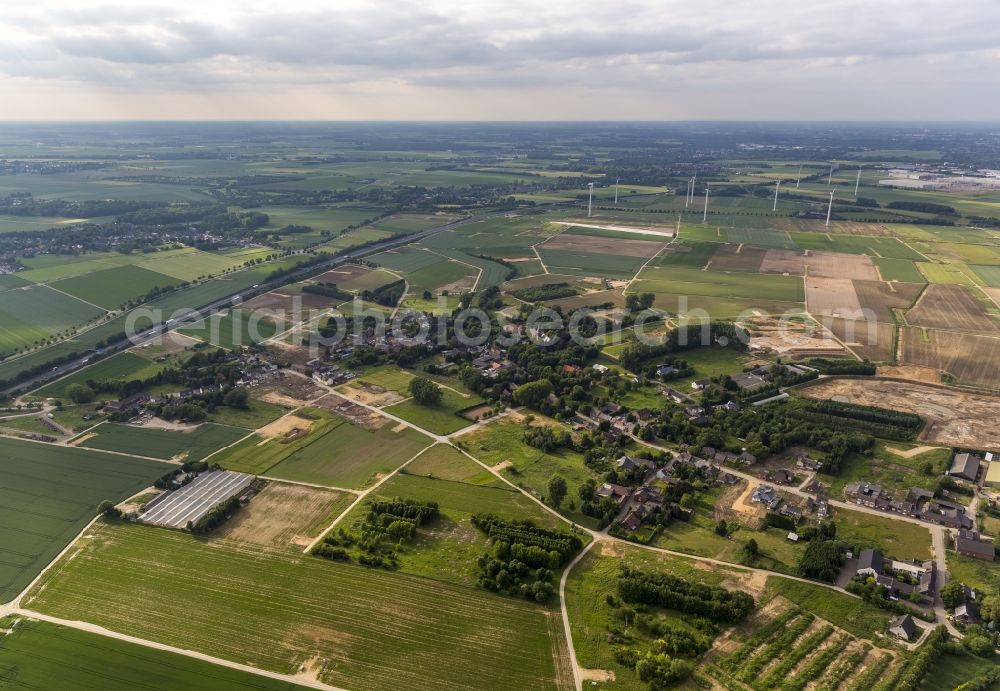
x=616 y=190
x=704 y=215
x=776 y=188
x=857 y=183
x=590 y=197
x=829 y=209
x=799 y=178
x=690 y=193
x=830 y=179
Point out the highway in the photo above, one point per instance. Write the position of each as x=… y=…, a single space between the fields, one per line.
x=195 y=315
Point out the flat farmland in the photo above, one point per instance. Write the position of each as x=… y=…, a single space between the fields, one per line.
x=944 y=273
x=970 y=358
x=689 y=253
x=582 y=241
x=899 y=270
x=113 y=288
x=285 y=516
x=590 y=264
x=353 y=238
x=48 y=494
x=819 y=264
x=359 y=281
x=988 y=275
x=881 y=297
x=34 y=313
x=39 y=655
x=346 y=455
x=832 y=297
x=366 y=628
x=191 y=445
x=872 y=340
x=687 y=281
x=493 y=273
x=854 y=244
x=954 y=418
x=119 y=367
x=406 y=223
x=442 y=418
x=407 y=258
x=951 y=307
x=441 y=275
x=234 y=329
x=738 y=258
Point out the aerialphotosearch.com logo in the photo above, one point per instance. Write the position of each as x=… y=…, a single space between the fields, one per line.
x=361 y=324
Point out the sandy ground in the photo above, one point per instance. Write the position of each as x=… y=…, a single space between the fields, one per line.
x=80 y=440
x=910 y=453
x=370 y=395
x=953 y=417
x=284 y=425
x=639 y=230
x=790 y=338
x=159 y=423
x=281 y=515
x=912 y=372
x=501 y=466
x=356 y=414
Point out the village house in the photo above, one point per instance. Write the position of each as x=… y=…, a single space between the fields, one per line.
x=903 y=627
x=965 y=466
x=969 y=544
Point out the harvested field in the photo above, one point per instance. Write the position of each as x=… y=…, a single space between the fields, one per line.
x=284 y=515
x=951 y=307
x=821 y=264
x=954 y=418
x=881 y=297
x=601 y=245
x=869 y=339
x=738 y=258
x=832 y=297
x=970 y=358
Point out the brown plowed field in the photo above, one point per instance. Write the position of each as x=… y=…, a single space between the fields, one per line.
x=869 y=339
x=832 y=296
x=972 y=359
x=953 y=417
x=820 y=264
x=880 y=297
x=599 y=245
x=951 y=307
x=738 y=258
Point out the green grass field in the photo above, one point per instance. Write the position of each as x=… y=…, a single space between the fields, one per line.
x=39 y=655
x=48 y=494
x=346 y=455
x=256 y=416
x=444 y=462
x=166 y=444
x=896 y=539
x=899 y=270
x=852 y=614
x=678 y=280
x=442 y=418
x=32 y=314
x=235 y=329
x=988 y=275
x=530 y=468
x=364 y=628
x=590 y=263
x=113 y=288
x=119 y=367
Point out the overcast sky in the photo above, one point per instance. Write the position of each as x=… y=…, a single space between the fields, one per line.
x=501 y=60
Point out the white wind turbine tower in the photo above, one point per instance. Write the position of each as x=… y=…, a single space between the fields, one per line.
x=704 y=215
x=857 y=183
x=616 y=190
x=776 y=188
x=590 y=198
x=798 y=179
x=829 y=180
x=829 y=209
x=690 y=193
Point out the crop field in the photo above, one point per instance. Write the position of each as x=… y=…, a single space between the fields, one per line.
x=493 y=273
x=688 y=253
x=439 y=275
x=820 y=264
x=31 y=314
x=165 y=444
x=406 y=223
x=39 y=655
x=119 y=367
x=353 y=238
x=407 y=258
x=48 y=494
x=951 y=307
x=356 y=278
x=944 y=273
x=256 y=415
x=284 y=516
x=970 y=358
x=738 y=258
x=498 y=237
x=869 y=339
x=687 y=281
x=583 y=241
x=988 y=275
x=442 y=418
x=899 y=270
x=113 y=288
x=234 y=329
x=444 y=462
x=590 y=264
x=881 y=297
x=279 y=611
x=346 y=455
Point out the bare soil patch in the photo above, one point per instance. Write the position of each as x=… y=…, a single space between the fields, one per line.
x=599 y=245
x=282 y=427
x=953 y=417
x=354 y=413
x=951 y=307
x=370 y=394
x=280 y=516
x=881 y=298
x=477 y=412
x=869 y=339
x=832 y=296
x=80 y=440
x=738 y=258
x=289 y=391
x=791 y=338
x=970 y=358
x=929 y=375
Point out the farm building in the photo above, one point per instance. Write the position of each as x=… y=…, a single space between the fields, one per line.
x=903 y=627
x=189 y=504
x=965 y=466
x=968 y=543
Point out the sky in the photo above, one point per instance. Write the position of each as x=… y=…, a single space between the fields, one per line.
x=500 y=60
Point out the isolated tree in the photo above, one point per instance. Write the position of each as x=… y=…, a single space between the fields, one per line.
x=424 y=391
x=108 y=509
x=751 y=548
x=80 y=393
x=557 y=490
